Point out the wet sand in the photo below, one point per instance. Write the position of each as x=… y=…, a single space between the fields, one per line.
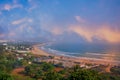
x=37 y=51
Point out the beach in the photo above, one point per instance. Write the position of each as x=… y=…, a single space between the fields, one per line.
x=71 y=61
x=37 y=51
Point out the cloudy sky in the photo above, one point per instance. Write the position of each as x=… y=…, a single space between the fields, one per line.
x=61 y=20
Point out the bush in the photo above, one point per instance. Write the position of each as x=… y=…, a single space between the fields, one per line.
x=5 y=76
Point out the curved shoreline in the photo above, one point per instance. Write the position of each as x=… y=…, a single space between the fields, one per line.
x=104 y=56
x=38 y=51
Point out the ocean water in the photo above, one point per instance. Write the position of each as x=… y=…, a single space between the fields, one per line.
x=103 y=51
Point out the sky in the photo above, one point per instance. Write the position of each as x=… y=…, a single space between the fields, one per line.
x=91 y=21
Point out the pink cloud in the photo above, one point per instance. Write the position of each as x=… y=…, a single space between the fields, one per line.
x=83 y=32
x=104 y=33
x=108 y=34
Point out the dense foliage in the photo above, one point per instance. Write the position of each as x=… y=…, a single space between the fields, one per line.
x=38 y=70
x=83 y=74
x=5 y=76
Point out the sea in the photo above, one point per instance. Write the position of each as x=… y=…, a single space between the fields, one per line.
x=100 y=51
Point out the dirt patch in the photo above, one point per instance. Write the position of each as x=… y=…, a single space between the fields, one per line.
x=58 y=69
x=18 y=71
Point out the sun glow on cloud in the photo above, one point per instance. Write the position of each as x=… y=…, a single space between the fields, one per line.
x=104 y=33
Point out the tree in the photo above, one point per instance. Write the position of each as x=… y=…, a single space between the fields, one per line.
x=47 y=67
x=39 y=74
x=29 y=70
x=2 y=67
x=52 y=75
x=5 y=76
x=19 y=77
x=83 y=74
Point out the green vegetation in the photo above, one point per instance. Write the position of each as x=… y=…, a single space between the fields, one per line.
x=47 y=71
x=17 y=77
x=5 y=76
x=52 y=75
x=83 y=74
x=7 y=60
x=38 y=70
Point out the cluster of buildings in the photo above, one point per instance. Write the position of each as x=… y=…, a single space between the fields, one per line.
x=16 y=47
x=63 y=61
x=20 y=51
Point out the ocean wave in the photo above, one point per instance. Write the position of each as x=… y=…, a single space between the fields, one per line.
x=103 y=54
x=77 y=55
x=52 y=51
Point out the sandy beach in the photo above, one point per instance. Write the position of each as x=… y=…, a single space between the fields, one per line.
x=37 y=51
x=69 y=60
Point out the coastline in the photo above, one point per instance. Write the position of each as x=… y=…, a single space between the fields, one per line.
x=85 y=60
x=37 y=51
